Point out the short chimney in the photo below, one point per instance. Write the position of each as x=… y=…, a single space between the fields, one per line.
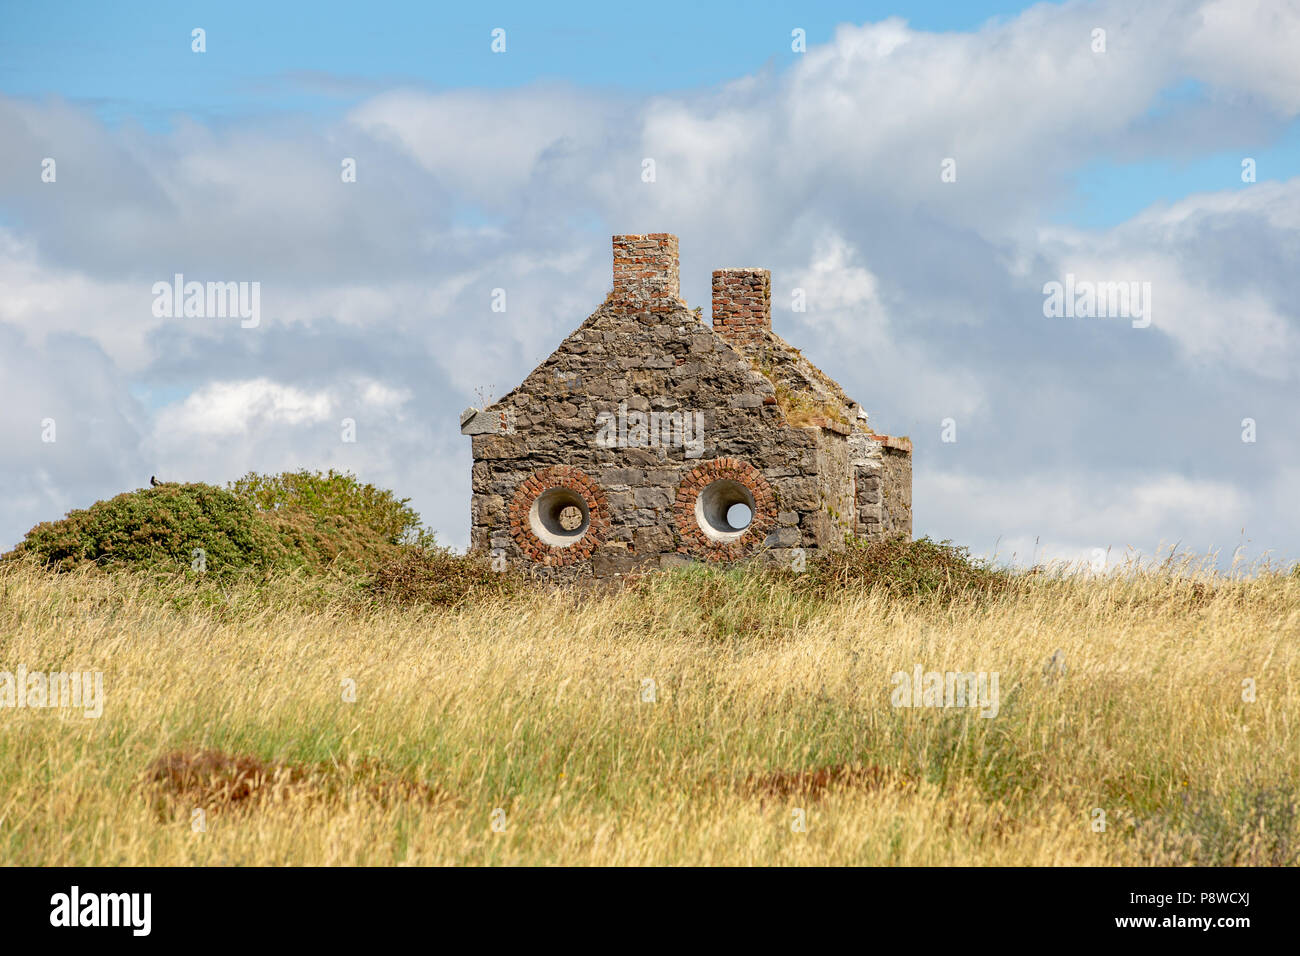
x=742 y=304
x=646 y=272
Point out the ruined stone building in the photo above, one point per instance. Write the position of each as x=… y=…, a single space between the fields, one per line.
x=648 y=439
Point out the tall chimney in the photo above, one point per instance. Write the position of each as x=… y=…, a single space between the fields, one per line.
x=742 y=304
x=646 y=272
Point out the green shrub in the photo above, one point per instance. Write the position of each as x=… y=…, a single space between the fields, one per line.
x=441 y=578
x=296 y=520
x=317 y=542
x=159 y=528
x=903 y=567
x=338 y=497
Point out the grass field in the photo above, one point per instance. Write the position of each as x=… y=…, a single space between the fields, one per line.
x=523 y=730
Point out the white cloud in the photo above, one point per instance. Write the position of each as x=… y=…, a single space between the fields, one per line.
x=1069 y=516
x=1249 y=46
x=1214 y=315
x=923 y=295
x=835 y=283
x=484 y=146
x=238 y=408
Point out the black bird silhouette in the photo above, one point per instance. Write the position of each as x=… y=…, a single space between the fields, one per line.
x=154 y=481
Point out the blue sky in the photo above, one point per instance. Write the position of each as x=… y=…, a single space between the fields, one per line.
x=268 y=59
x=130 y=57
x=482 y=170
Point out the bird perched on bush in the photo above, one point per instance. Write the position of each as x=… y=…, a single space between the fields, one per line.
x=154 y=481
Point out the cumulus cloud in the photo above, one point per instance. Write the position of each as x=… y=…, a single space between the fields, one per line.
x=1217 y=266
x=236 y=408
x=1070 y=517
x=924 y=297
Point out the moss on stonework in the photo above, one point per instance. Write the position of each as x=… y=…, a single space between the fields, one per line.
x=800 y=406
x=802 y=409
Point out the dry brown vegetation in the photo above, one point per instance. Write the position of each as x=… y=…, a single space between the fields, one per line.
x=216 y=781
x=770 y=695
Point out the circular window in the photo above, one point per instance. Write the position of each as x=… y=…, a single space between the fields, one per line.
x=718 y=503
x=724 y=508
x=558 y=516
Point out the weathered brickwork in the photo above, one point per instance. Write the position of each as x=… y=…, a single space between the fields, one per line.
x=597 y=462
x=695 y=537
x=588 y=502
x=742 y=304
x=646 y=269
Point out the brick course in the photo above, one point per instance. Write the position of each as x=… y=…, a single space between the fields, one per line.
x=742 y=303
x=693 y=539
x=559 y=476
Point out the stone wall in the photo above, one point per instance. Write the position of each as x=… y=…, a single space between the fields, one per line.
x=883 y=487
x=896 y=486
x=835 y=499
x=607 y=369
x=598 y=462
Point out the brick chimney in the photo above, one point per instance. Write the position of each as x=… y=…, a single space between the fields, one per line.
x=742 y=303
x=646 y=272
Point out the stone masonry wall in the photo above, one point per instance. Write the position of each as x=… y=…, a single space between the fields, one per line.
x=835 y=501
x=621 y=363
x=883 y=487
x=575 y=424
x=896 y=510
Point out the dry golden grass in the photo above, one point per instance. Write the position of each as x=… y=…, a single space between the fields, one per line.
x=767 y=701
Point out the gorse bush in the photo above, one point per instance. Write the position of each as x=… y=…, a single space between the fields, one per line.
x=315 y=542
x=300 y=520
x=169 y=527
x=338 y=496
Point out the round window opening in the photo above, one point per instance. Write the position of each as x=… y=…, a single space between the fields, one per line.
x=724 y=509
x=559 y=517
